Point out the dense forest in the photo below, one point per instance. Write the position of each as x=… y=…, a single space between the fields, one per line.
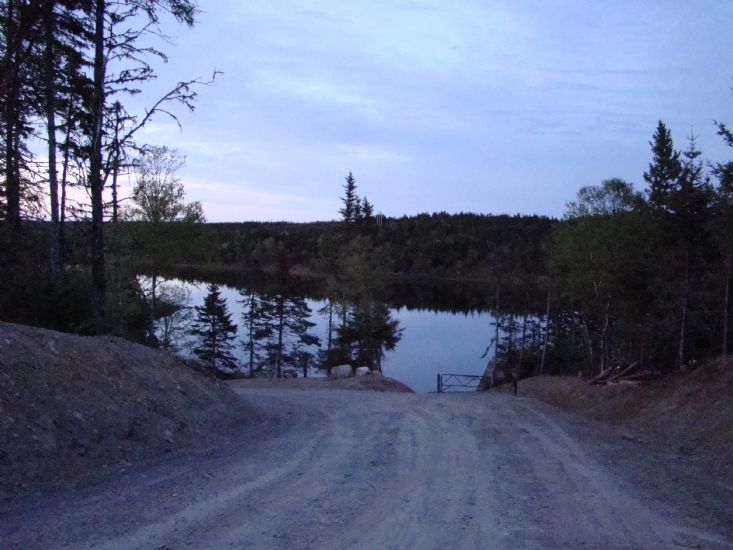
x=628 y=275
x=461 y=246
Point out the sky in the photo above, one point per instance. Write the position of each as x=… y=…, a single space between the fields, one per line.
x=452 y=105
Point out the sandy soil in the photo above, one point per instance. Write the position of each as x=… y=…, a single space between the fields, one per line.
x=346 y=469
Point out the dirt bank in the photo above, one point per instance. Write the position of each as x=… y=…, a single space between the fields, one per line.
x=690 y=414
x=72 y=405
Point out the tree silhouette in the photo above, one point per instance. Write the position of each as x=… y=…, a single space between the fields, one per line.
x=215 y=331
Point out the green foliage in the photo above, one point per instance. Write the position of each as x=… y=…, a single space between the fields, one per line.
x=642 y=281
x=664 y=170
x=612 y=197
x=367 y=332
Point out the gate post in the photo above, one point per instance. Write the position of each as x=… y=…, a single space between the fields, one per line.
x=440 y=389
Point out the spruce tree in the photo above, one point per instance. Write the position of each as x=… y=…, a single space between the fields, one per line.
x=350 y=200
x=215 y=330
x=664 y=170
x=255 y=321
x=286 y=330
x=367 y=210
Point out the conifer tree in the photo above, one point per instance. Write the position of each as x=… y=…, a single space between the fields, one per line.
x=367 y=210
x=215 y=331
x=689 y=203
x=255 y=321
x=367 y=332
x=350 y=200
x=286 y=330
x=664 y=170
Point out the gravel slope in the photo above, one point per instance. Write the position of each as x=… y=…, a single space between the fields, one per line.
x=73 y=406
x=347 y=469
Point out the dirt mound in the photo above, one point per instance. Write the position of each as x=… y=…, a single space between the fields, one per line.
x=364 y=383
x=70 y=405
x=688 y=413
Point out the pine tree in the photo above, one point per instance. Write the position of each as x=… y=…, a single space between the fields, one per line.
x=367 y=210
x=286 y=330
x=367 y=332
x=689 y=203
x=664 y=170
x=216 y=331
x=255 y=327
x=350 y=200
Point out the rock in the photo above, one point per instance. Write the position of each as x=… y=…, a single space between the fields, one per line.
x=362 y=371
x=341 y=371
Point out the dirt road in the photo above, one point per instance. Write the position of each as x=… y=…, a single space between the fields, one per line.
x=346 y=469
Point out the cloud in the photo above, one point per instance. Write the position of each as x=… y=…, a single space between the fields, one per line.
x=313 y=90
x=372 y=153
x=230 y=191
x=226 y=201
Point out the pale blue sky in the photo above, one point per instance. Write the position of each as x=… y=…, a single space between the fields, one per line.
x=483 y=106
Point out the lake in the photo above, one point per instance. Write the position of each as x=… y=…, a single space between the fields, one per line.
x=434 y=339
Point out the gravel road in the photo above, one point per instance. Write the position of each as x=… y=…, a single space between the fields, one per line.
x=347 y=469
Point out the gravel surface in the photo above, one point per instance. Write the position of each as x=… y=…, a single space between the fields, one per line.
x=348 y=469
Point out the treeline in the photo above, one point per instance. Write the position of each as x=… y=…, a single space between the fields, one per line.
x=460 y=246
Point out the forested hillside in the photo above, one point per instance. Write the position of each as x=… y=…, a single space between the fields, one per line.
x=442 y=245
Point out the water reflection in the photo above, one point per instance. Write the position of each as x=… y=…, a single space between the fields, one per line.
x=303 y=327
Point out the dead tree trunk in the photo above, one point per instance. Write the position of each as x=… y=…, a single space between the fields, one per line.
x=683 y=322
x=496 y=333
x=524 y=338
x=547 y=334
x=604 y=336
x=726 y=300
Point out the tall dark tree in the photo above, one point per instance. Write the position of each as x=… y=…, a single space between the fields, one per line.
x=286 y=330
x=689 y=203
x=121 y=63
x=368 y=331
x=664 y=170
x=351 y=201
x=367 y=210
x=65 y=36
x=254 y=317
x=215 y=331
x=22 y=33
x=723 y=229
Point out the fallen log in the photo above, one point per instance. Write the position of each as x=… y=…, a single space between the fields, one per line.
x=643 y=375
x=602 y=377
x=631 y=368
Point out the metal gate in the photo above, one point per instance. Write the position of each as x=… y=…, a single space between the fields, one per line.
x=458 y=382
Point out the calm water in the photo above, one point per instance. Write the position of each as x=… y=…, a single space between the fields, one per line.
x=432 y=341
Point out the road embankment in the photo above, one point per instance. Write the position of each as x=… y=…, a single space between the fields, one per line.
x=71 y=406
x=689 y=414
